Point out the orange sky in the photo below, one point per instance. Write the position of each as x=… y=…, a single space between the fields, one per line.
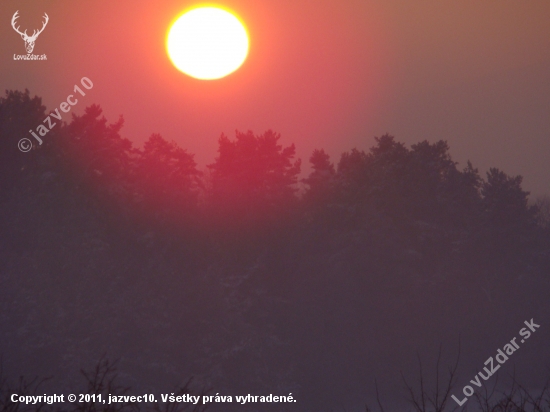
x=324 y=74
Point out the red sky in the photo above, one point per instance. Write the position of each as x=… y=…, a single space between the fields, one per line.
x=324 y=74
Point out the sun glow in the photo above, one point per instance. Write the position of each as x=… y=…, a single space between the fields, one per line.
x=207 y=43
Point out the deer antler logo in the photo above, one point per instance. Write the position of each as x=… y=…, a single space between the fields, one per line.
x=29 y=40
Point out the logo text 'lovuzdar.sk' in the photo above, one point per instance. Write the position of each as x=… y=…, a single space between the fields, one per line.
x=29 y=40
x=501 y=357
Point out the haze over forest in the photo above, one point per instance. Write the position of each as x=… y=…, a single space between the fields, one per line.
x=324 y=74
x=232 y=278
x=358 y=214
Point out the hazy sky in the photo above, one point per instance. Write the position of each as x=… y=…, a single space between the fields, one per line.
x=324 y=74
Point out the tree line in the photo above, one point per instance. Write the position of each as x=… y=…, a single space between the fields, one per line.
x=270 y=271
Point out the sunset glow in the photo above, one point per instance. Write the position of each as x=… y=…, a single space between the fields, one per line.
x=250 y=205
x=207 y=43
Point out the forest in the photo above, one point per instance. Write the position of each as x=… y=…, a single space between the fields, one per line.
x=127 y=269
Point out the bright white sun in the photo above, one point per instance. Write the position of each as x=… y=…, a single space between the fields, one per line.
x=207 y=43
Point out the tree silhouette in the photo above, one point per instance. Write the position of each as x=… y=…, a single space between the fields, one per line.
x=321 y=180
x=19 y=113
x=252 y=177
x=97 y=154
x=508 y=222
x=395 y=242
x=504 y=201
x=166 y=179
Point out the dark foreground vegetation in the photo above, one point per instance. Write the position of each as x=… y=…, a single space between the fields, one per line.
x=103 y=380
x=250 y=280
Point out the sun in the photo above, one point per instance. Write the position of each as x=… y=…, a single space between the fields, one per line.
x=207 y=43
